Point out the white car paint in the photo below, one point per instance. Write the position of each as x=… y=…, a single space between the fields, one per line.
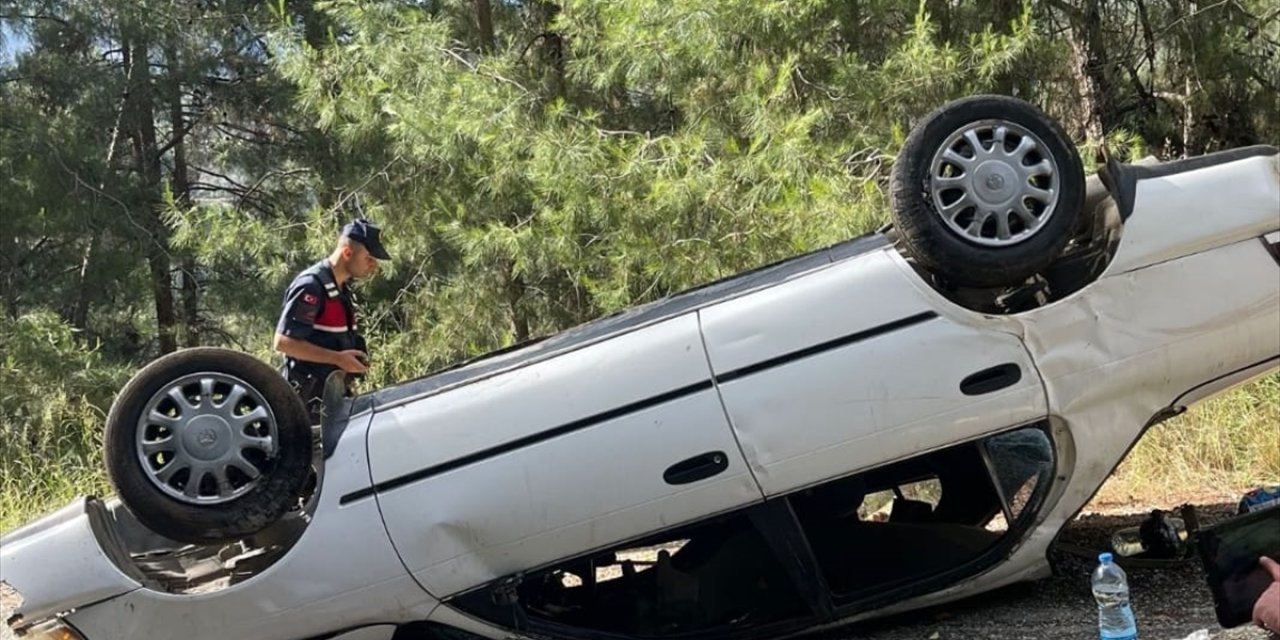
x=606 y=476
x=60 y=544
x=1146 y=339
x=1186 y=213
x=849 y=408
x=341 y=574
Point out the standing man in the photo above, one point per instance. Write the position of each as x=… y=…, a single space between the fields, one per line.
x=317 y=331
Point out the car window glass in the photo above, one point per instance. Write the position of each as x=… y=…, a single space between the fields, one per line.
x=1021 y=459
x=923 y=516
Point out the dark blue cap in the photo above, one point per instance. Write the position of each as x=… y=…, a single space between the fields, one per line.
x=367 y=234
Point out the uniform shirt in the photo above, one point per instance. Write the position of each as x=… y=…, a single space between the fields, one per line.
x=319 y=311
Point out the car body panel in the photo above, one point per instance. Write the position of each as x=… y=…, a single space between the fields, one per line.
x=536 y=399
x=596 y=435
x=342 y=573
x=1193 y=211
x=862 y=370
x=1108 y=380
x=622 y=322
x=57 y=563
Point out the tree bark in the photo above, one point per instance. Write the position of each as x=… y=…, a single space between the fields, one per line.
x=1090 y=71
x=147 y=158
x=515 y=293
x=180 y=186
x=10 y=245
x=484 y=18
x=80 y=317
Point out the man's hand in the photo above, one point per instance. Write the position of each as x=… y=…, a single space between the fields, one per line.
x=352 y=361
x=1266 y=611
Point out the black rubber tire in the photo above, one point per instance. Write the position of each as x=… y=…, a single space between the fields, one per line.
x=946 y=253
x=206 y=524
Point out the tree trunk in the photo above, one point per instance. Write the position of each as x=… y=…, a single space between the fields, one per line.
x=553 y=46
x=1090 y=71
x=515 y=293
x=10 y=246
x=484 y=18
x=180 y=185
x=80 y=317
x=146 y=154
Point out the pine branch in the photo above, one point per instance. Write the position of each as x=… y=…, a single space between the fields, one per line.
x=181 y=135
x=217 y=175
x=1072 y=12
x=128 y=214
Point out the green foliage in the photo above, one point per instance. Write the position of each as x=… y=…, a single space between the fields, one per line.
x=534 y=170
x=53 y=391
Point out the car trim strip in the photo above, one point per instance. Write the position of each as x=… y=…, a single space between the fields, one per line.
x=842 y=341
x=639 y=405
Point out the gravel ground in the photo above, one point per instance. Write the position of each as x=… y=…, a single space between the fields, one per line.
x=1169 y=603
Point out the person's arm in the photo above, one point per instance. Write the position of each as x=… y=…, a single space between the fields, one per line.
x=1266 y=611
x=297 y=321
x=351 y=361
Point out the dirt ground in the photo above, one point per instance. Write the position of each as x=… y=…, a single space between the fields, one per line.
x=1169 y=603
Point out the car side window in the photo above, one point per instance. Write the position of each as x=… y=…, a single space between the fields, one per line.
x=715 y=576
x=924 y=516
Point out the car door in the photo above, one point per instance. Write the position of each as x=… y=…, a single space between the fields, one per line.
x=557 y=458
x=860 y=364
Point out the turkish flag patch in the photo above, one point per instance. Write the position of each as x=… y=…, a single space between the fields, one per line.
x=310 y=298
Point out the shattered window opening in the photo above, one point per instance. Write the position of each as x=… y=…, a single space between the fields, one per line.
x=714 y=575
x=900 y=524
x=869 y=532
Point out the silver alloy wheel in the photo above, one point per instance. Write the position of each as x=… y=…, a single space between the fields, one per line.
x=206 y=438
x=994 y=183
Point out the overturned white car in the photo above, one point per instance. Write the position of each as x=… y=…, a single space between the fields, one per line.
x=892 y=422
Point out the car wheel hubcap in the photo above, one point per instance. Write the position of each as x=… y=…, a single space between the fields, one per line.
x=994 y=183
x=206 y=438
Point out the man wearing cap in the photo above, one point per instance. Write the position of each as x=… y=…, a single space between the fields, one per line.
x=317 y=331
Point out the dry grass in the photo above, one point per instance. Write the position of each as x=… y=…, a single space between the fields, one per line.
x=1218 y=449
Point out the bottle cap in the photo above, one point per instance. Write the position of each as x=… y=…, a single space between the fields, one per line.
x=1104 y=558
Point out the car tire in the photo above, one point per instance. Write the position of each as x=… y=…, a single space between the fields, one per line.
x=207 y=445
x=952 y=185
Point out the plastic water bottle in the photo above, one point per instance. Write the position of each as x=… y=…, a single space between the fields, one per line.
x=1111 y=590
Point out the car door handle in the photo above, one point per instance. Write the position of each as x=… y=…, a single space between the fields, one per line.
x=991 y=379
x=697 y=468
